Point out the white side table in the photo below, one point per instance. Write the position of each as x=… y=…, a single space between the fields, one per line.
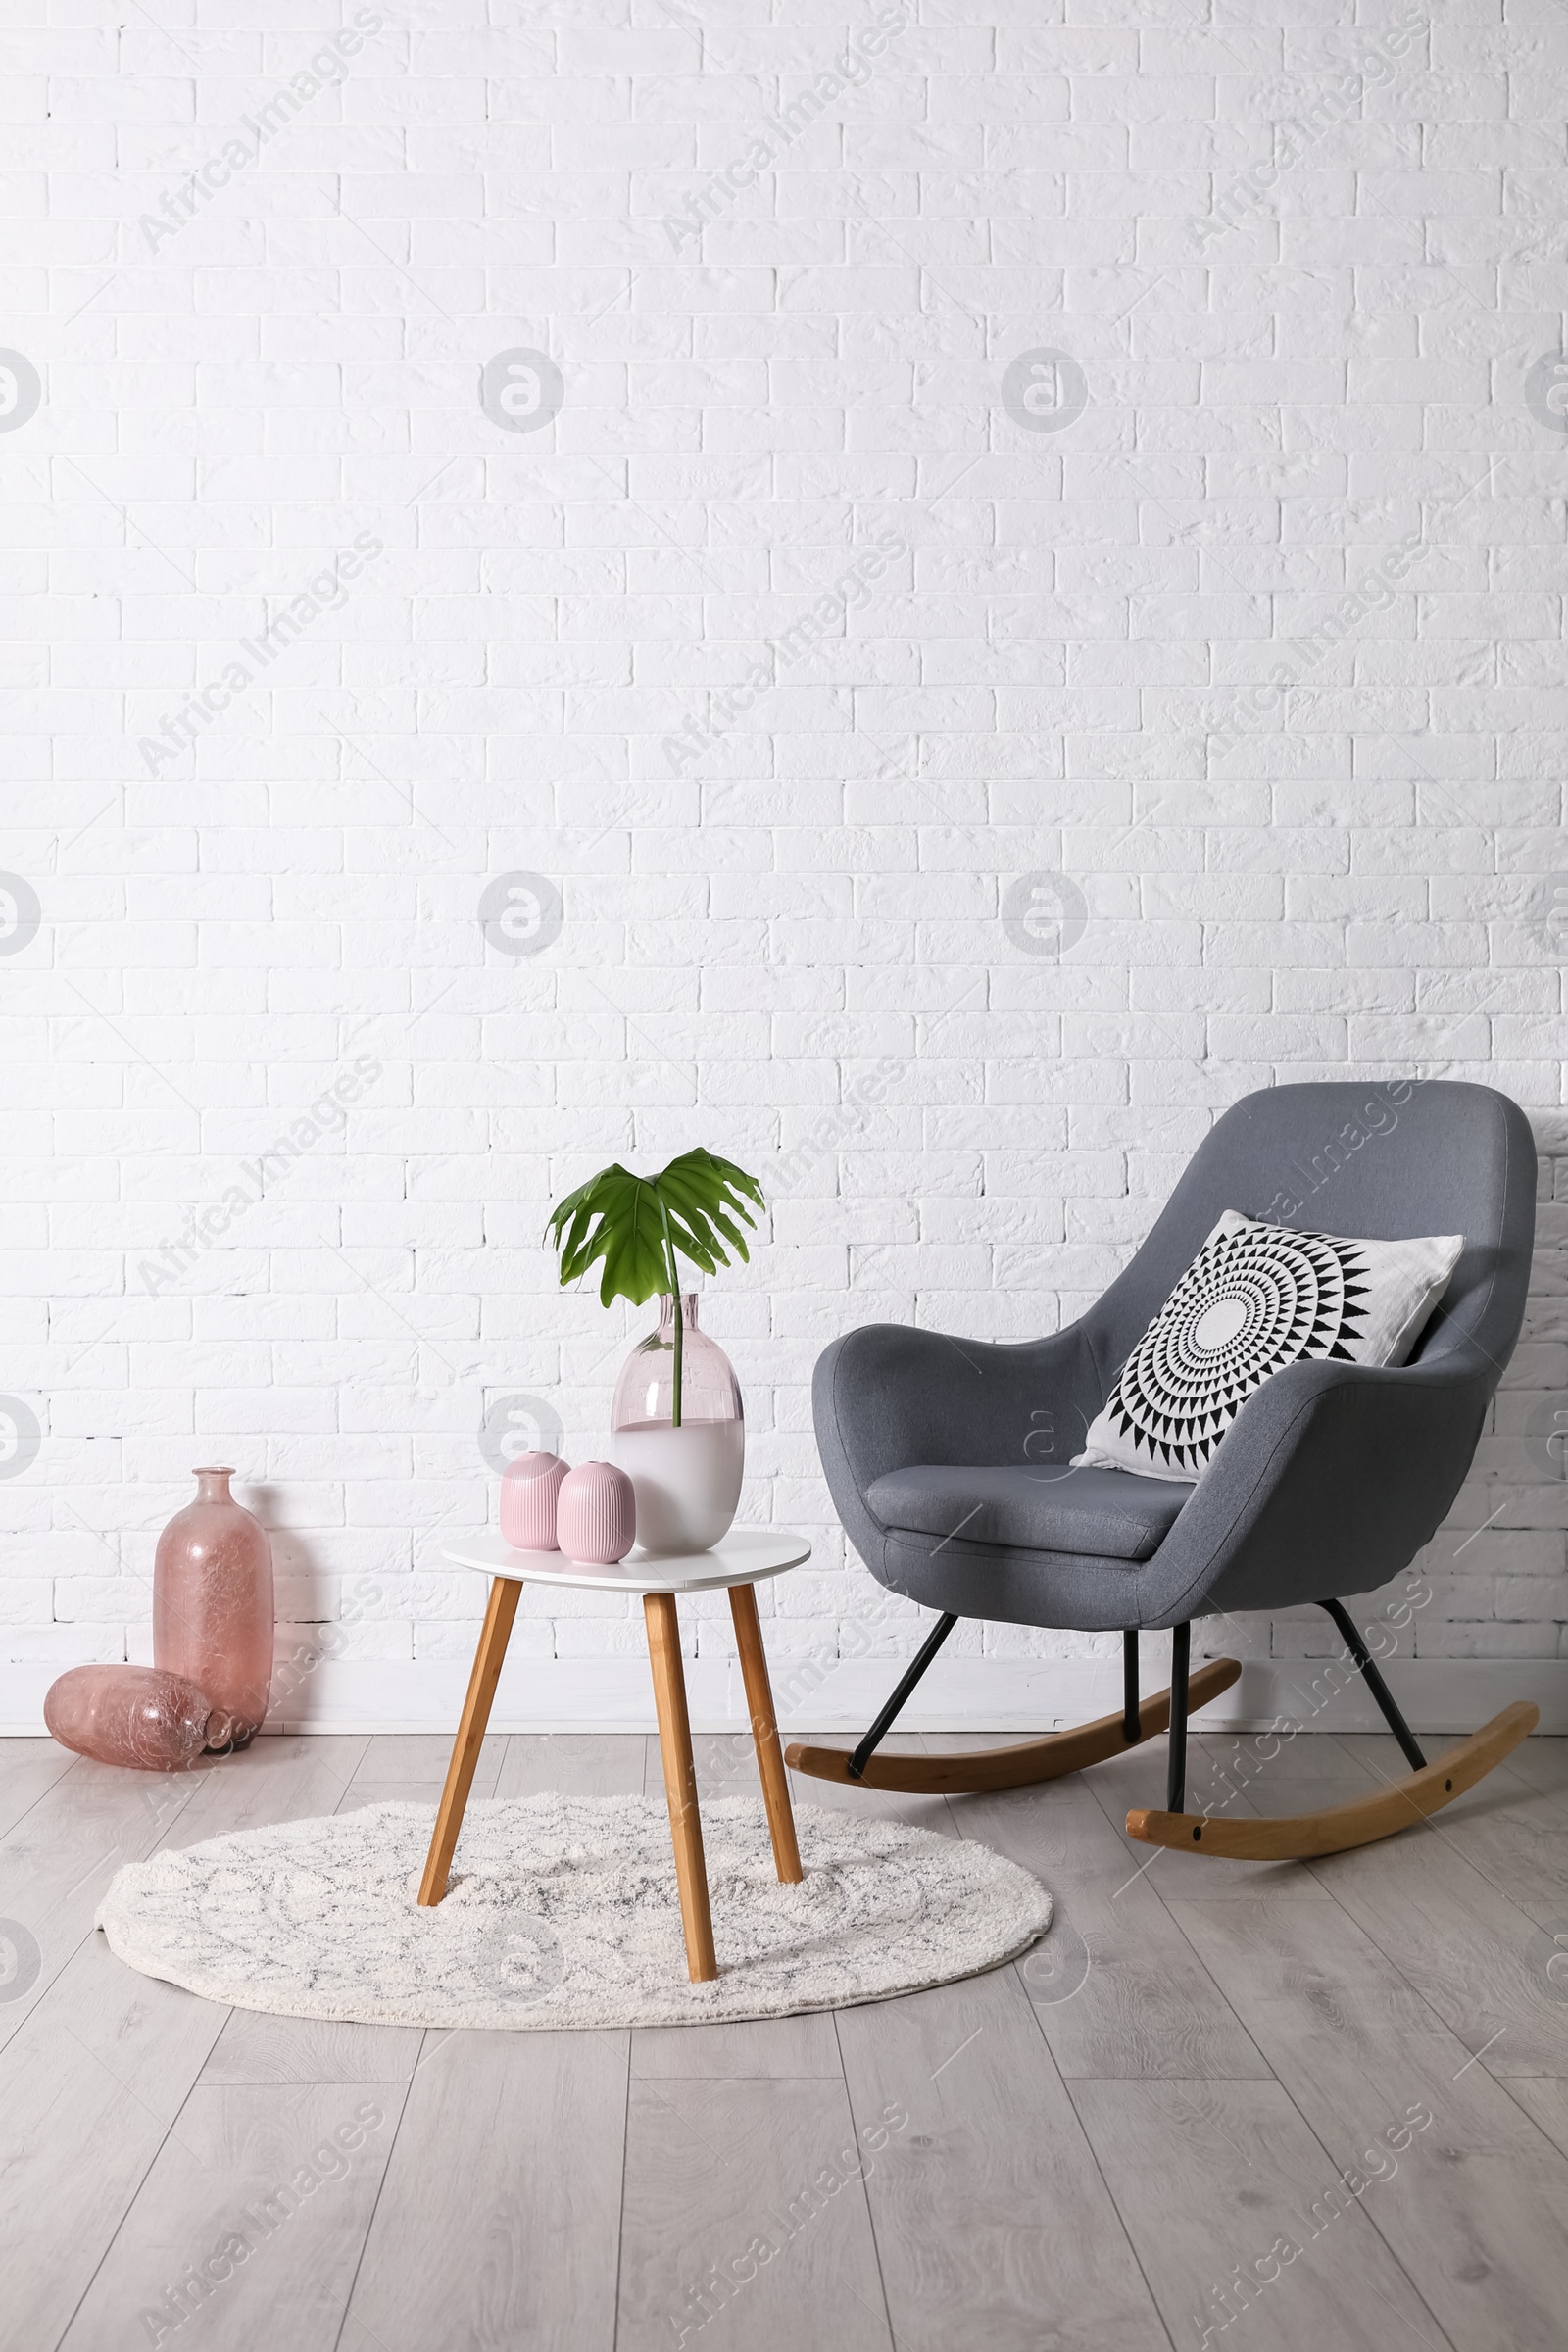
x=745 y=1557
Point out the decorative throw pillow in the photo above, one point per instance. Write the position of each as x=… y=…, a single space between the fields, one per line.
x=1255 y=1299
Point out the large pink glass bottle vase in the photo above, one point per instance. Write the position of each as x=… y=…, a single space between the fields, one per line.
x=212 y=1607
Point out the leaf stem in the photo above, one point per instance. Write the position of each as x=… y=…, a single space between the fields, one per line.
x=680 y=1331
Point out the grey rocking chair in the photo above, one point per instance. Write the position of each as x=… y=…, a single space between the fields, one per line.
x=1330 y=1479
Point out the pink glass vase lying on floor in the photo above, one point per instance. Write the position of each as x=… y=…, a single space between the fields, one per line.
x=212 y=1607
x=135 y=1715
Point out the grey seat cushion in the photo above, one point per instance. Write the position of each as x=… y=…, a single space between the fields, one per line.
x=1110 y=1513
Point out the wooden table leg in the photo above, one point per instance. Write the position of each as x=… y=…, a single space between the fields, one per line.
x=680 y=1783
x=765 y=1732
x=487 y=1662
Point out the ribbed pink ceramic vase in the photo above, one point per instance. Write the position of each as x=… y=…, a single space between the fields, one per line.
x=212 y=1607
x=596 y=1514
x=135 y=1715
x=529 y=1489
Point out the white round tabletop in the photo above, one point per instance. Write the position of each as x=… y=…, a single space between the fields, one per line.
x=746 y=1555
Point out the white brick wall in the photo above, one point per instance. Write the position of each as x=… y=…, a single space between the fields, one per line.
x=1306 y=263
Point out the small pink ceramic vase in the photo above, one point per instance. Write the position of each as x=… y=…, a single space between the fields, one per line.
x=529 y=1488
x=135 y=1715
x=596 y=1516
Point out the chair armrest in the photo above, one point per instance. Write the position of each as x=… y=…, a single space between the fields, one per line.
x=1330 y=1479
x=887 y=1396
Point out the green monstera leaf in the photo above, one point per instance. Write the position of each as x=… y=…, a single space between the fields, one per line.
x=633 y=1225
x=635 y=1228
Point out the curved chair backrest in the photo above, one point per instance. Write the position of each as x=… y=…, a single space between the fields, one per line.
x=1372 y=1162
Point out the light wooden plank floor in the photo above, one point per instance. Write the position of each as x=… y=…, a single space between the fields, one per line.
x=1260 y=2105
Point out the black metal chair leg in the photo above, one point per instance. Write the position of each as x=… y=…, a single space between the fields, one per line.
x=1181 y=1651
x=1375 y=1683
x=883 y=1722
x=1129 y=1686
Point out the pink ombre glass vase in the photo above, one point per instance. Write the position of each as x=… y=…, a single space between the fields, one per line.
x=687 y=1472
x=212 y=1607
x=596 y=1516
x=134 y=1715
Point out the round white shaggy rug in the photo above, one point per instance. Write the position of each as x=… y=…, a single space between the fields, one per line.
x=563 y=1911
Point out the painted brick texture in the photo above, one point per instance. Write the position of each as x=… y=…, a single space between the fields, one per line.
x=922 y=598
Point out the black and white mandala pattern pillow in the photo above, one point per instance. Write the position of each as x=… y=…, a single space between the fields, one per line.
x=1255 y=1299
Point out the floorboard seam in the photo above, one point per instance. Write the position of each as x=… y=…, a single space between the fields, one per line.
x=871 y=2211
x=1392 y=2254
x=58 y=1782
x=130 y=2205
x=386 y=2175
x=1110 y=2194
x=1505 y=2083
x=1442 y=2022
x=1220 y=1990
x=28 y=2015
x=1469 y=1863
x=1306 y=2125
x=1219 y=1994
x=621 y=2221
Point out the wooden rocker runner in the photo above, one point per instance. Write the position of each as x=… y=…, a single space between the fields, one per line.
x=943 y=1460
